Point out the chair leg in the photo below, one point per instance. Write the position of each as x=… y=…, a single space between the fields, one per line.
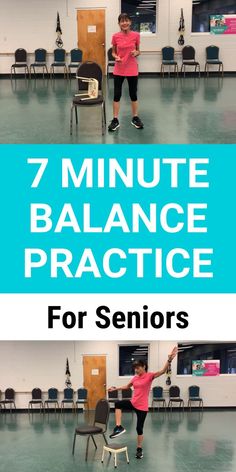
x=103 y=456
x=73 y=448
x=105 y=439
x=105 y=114
x=76 y=115
x=103 y=121
x=94 y=442
x=71 y=119
x=115 y=457
x=87 y=446
x=127 y=456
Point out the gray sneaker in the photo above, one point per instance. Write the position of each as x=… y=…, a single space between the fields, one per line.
x=118 y=430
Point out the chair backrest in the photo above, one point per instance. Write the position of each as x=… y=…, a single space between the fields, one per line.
x=110 y=56
x=37 y=394
x=68 y=393
x=9 y=394
x=82 y=393
x=127 y=393
x=157 y=392
x=188 y=53
x=52 y=393
x=113 y=395
x=212 y=52
x=91 y=70
x=59 y=55
x=102 y=412
x=76 y=55
x=174 y=391
x=20 y=55
x=168 y=53
x=40 y=55
x=194 y=391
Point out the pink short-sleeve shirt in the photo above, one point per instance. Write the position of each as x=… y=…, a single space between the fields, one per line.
x=125 y=43
x=142 y=386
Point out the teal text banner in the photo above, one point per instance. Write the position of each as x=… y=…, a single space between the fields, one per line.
x=99 y=270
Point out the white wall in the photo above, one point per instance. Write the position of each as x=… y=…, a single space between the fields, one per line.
x=31 y=24
x=25 y=365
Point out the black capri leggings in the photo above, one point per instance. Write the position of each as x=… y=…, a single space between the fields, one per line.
x=141 y=415
x=133 y=87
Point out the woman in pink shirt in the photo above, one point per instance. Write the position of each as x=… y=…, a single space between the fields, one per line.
x=141 y=384
x=125 y=50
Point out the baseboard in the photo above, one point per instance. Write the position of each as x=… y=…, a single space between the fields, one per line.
x=142 y=74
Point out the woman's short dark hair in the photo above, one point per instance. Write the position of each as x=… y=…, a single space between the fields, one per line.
x=124 y=16
x=140 y=363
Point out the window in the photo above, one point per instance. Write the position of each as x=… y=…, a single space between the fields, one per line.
x=143 y=14
x=203 y=9
x=130 y=353
x=225 y=352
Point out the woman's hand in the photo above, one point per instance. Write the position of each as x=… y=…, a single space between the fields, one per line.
x=173 y=353
x=118 y=59
x=112 y=389
x=135 y=53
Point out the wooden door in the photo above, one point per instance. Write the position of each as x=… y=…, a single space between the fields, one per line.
x=91 y=35
x=94 y=368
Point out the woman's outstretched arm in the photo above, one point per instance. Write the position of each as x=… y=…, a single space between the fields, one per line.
x=170 y=359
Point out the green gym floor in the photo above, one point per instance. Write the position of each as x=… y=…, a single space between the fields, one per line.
x=177 y=442
x=189 y=110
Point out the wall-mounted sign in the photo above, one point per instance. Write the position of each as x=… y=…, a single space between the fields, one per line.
x=223 y=24
x=95 y=372
x=92 y=29
x=209 y=368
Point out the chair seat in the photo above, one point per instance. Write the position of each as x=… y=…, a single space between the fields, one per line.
x=94 y=101
x=159 y=399
x=58 y=64
x=88 y=429
x=195 y=399
x=169 y=63
x=115 y=447
x=23 y=64
x=66 y=400
x=176 y=399
x=81 y=401
x=74 y=64
x=7 y=401
x=49 y=400
x=36 y=401
x=111 y=63
x=38 y=64
x=190 y=63
x=213 y=61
